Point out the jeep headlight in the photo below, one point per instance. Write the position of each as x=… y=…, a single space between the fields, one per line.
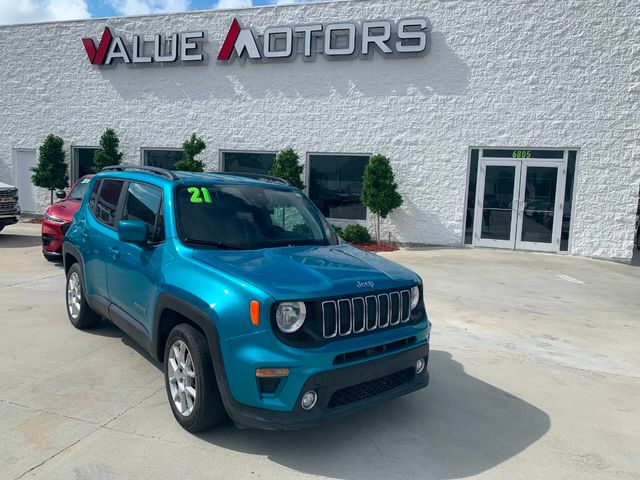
x=290 y=316
x=415 y=296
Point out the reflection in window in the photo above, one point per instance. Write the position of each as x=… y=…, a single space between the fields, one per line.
x=568 y=201
x=335 y=185
x=108 y=201
x=248 y=162
x=162 y=158
x=471 y=197
x=143 y=203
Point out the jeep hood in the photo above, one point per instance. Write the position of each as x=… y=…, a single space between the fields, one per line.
x=310 y=271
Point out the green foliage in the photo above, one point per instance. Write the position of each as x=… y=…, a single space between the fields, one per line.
x=51 y=172
x=339 y=231
x=108 y=153
x=287 y=167
x=356 y=234
x=379 y=189
x=192 y=147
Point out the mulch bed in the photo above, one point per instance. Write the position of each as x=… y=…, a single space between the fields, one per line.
x=375 y=247
x=37 y=220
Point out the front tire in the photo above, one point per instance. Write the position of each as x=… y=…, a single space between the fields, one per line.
x=190 y=380
x=78 y=310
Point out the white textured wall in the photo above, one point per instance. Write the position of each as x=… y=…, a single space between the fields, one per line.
x=555 y=73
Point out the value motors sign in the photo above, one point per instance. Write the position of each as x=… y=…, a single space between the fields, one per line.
x=333 y=40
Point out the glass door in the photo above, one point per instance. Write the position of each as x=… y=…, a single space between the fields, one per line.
x=540 y=206
x=496 y=219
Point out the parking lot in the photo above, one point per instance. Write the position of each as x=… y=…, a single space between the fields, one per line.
x=534 y=366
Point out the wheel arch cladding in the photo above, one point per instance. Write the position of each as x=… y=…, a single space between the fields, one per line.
x=171 y=311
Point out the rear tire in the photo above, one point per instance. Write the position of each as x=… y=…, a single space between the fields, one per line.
x=78 y=310
x=190 y=380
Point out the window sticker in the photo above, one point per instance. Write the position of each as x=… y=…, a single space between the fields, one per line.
x=199 y=195
x=86 y=180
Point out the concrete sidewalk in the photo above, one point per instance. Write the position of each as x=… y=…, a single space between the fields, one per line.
x=534 y=364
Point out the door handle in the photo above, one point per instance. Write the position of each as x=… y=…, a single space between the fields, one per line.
x=114 y=252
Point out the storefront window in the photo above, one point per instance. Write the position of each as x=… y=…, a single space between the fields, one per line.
x=568 y=201
x=335 y=185
x=82 y=161
x=162 y=158
x=471 y=197
x=248 y=162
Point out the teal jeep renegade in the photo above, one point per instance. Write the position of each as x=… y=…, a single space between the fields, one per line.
x=244 y=292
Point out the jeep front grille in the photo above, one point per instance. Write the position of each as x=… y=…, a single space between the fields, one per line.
x=351 y=316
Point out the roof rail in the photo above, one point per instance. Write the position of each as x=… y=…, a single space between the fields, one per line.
x=255 y=176
x=162 y=172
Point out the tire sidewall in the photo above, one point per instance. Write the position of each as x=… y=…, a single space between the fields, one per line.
x=183 y=334
x=83 y=302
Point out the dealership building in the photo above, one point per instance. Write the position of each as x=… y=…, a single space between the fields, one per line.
x=508 y=124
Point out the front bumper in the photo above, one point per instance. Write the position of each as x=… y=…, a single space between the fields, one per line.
x=341 y=392
x=53 y=237
x=9 y=218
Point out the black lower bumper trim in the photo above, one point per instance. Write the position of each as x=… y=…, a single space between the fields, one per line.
x=367 y=384
x=6 y=221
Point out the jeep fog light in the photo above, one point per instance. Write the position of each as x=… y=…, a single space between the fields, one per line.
x=415 y=296
x=290 y=316
x=420 y=366
x=309 y=400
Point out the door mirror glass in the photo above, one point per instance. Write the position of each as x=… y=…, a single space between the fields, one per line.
x=133 y=231
x=60 y=194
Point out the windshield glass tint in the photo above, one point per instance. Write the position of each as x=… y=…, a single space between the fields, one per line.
x=249 y=217
x=79 y=190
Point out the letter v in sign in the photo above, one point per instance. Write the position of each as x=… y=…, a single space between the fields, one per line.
x=96 y=57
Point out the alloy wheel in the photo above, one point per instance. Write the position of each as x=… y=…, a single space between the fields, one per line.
x=74 y=295
x=182 y=378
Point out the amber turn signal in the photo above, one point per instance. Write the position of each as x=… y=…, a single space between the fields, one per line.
x=272 y=372
x=254 y=308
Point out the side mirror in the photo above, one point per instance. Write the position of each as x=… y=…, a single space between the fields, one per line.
x=133 y=231
x=60 y=194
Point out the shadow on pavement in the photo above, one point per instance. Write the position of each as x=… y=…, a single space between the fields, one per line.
x=459 y=426
x=11 y=240
x=107 y=329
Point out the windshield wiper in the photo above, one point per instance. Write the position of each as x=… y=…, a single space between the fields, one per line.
x=210 y=243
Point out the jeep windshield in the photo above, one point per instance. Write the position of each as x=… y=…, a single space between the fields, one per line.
x=248 y=217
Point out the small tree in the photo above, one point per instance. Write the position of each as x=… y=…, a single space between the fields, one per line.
x=192 y=147
x=287 y=167
x=108 y=153
x=51 y=172
x=379 y=189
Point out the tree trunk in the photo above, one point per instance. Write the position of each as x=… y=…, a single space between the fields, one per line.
x=378 y=228
x=51 y=199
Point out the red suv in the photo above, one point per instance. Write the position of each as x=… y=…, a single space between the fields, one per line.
x=57 y=219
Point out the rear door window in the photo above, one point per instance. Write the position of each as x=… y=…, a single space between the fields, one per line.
x=107 y=204
x=94 y=195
